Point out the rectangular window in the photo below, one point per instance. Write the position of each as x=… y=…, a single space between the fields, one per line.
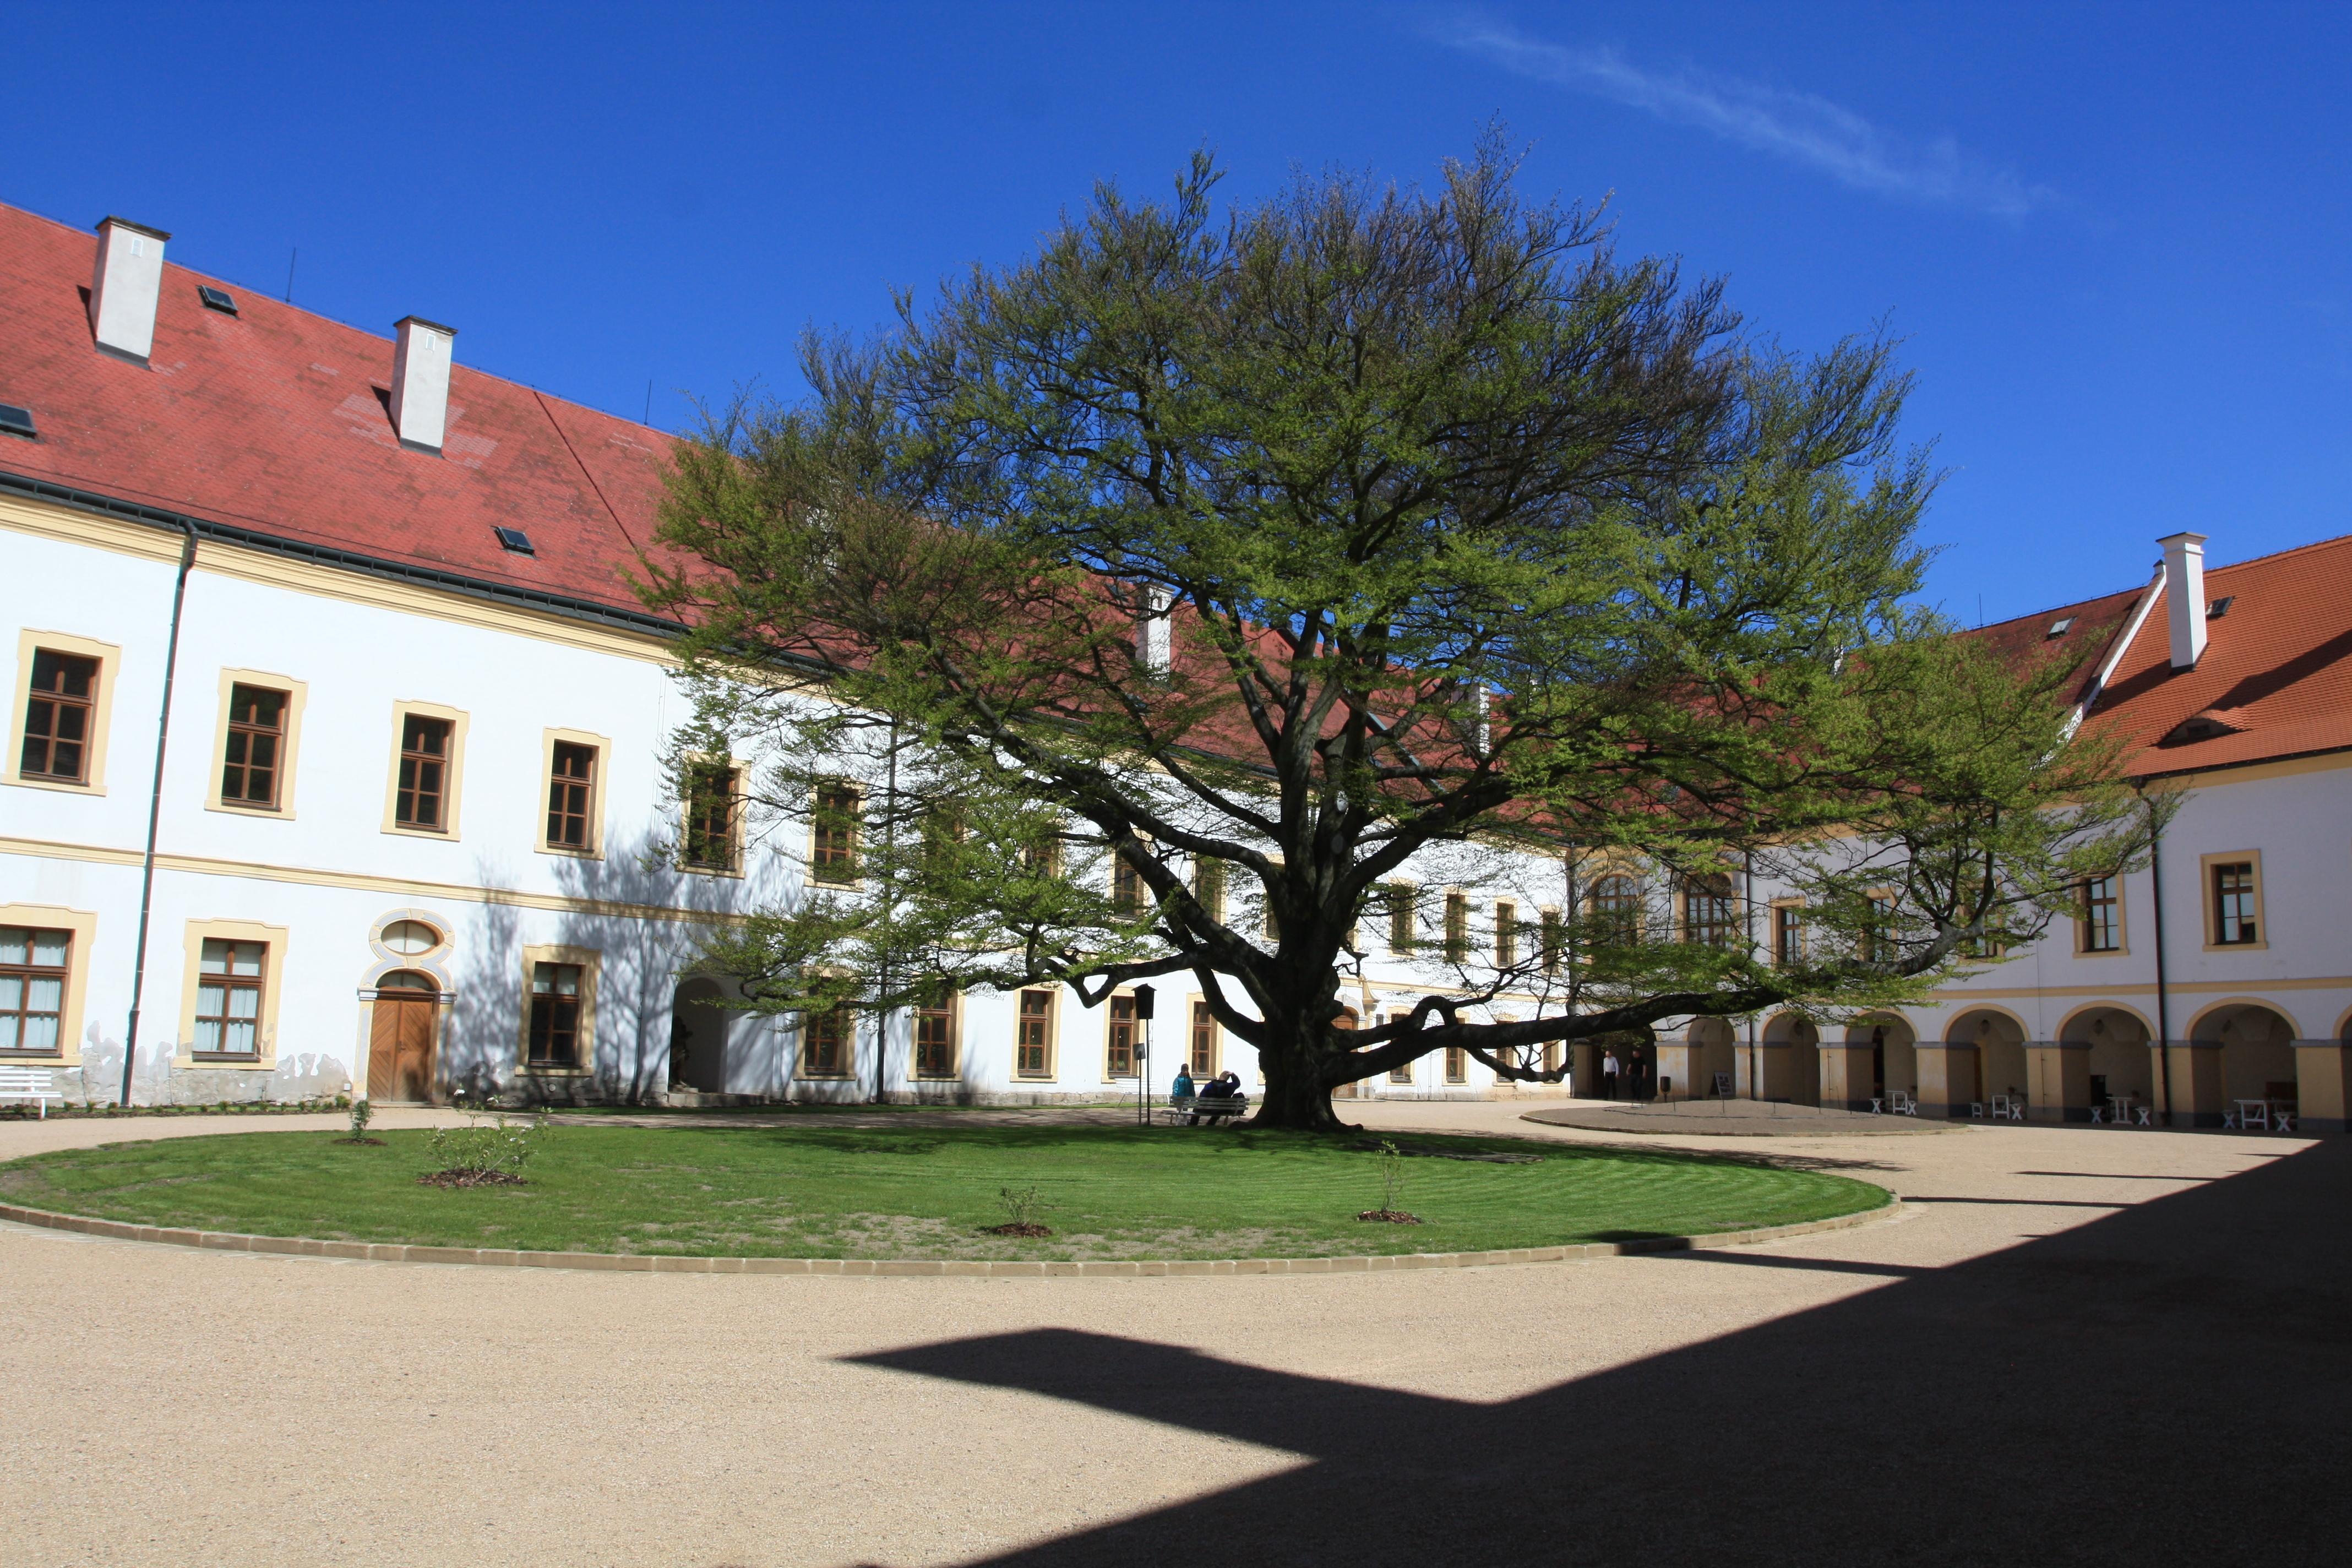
x=33 y=966
x=554 y=1016
x=2234 y=923
x=1126 y=888
x=1033 y=1040
x=571 y=796
x=421 y=797
x=1457 y=927
x=832 y=833
x=1457 y=1064
x=1042 y=857
x=1118 y=1039
x=1710 y=918
x=2102 y=921
x=1616 y=911
x=935 y=1042
x=824 y=1044
x=1507 y=936
x=1403 y=1071
x=254 y=756
x=1788 y=935
x=229 y=979
x=59 y=718
x=1202 y=1059
x=1209 y=888
x=1403 y=919
x=712 y=790
x=1554 y=938
x=1875 y=944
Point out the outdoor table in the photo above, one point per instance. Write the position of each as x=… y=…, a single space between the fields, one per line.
x=2253 y=1113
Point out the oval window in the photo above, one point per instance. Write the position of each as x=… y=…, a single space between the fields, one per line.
x=411 y=937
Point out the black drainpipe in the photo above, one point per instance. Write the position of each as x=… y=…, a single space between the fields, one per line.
x=2163 y=1001
x=155 y=812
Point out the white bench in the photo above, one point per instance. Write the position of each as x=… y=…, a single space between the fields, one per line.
x=30 y=1083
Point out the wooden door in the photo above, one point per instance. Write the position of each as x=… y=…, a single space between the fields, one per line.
x=399 y=1046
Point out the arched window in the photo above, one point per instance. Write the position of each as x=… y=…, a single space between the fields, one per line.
x=1617 y=910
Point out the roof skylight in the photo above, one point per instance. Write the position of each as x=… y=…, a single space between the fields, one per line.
x=516 y=540
x=17 y=421
x=2059 y=627
x=217 y=299
x=2218 y=607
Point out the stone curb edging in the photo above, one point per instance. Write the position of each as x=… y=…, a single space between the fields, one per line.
x=401 y=1252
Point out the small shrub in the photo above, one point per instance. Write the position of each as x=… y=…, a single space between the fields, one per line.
x=363 y=1113
x=490 y=1150
x=1022 y=1206
x=1391 y=1159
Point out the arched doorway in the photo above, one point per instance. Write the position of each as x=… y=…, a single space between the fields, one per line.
x=2119 y=1063
x=2257 y=1052
x=402 y=1032
x=1894 y=1052
x=698 y=1037
x=1998 y=1057
x=1793 y=1060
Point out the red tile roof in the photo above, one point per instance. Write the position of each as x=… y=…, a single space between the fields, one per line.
x=2275 y=679
x=275 y=420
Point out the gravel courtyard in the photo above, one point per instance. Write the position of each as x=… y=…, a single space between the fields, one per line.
x=2075 y=1345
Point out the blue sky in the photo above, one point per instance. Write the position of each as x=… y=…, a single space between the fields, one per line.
x=2116 y=238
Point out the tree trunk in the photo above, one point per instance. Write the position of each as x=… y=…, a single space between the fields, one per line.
x=1295 y=1096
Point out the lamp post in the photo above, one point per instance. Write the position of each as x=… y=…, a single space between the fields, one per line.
x=1143 y=996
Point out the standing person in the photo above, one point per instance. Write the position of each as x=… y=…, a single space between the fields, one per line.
x=1182 y=1088
x=1608 y=1073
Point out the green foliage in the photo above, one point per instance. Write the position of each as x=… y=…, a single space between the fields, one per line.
x=363 y=1113
x=1478 y=548
x=1392 y=1160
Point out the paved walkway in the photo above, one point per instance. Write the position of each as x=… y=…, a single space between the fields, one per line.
x=2084 y=1345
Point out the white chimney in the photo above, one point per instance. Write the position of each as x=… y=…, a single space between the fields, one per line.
x=2184 y=596
x=122 y=292
x=1152 y=640
x=420 y=383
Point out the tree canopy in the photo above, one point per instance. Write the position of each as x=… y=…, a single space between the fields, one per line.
x=1171 y=601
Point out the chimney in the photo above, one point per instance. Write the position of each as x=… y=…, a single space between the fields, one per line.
x=1152 y=640
x=420 y=383
x=123 y=291
x=2184 y=596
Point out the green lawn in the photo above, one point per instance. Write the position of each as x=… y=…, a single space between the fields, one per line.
x=812 y=1191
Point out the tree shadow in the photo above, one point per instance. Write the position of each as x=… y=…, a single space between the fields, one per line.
x=2165 y=1384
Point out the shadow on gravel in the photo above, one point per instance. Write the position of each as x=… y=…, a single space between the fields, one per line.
x=2170 y=1385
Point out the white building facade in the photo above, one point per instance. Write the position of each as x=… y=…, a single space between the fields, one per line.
x=411 y=830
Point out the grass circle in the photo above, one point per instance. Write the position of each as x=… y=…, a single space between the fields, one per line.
x=932 y=1191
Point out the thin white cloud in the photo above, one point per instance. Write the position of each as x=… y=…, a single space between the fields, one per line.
x=1797 y=126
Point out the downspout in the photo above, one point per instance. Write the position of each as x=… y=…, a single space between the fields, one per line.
x=2163 y=1000
x=1748 y=915
x=154 y=815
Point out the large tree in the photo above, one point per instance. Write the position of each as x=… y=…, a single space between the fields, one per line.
x=1170 y=598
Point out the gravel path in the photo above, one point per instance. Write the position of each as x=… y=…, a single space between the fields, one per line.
x=2084 y=1345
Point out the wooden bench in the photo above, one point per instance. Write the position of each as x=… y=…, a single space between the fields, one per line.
x=1191 y=1109
x=30 y=1083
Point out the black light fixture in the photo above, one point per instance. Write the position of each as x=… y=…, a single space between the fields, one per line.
x=217 y=299
x=516 y=540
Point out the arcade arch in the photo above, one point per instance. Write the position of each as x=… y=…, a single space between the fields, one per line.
x=2000 y=1055
x=1894 y=1051
x=2257 y=1044
x=2121 y=1065
x=1792 y=1060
